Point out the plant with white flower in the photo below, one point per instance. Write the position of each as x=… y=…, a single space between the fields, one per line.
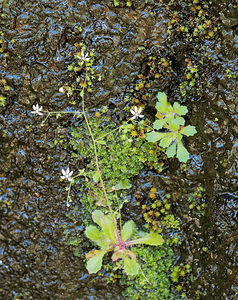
x=136 y=113
x=62 y=90
x=67 y=174
x=83 y=57
x=37 y=110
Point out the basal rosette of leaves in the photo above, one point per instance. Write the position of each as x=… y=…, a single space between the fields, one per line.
x=109 y=238
x=170 y=120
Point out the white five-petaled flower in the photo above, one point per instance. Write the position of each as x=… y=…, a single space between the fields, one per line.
x=83 y=57
x=67 y=174
x=37 y=110
x=136 y=113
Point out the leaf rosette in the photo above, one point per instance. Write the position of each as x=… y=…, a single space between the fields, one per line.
x=169 y=119
x=110 y=239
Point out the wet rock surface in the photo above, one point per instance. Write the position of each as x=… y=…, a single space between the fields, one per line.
x=35 y=261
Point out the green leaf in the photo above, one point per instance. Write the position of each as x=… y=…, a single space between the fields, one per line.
x=94 y=264
x=155 y=136
x=127 y=230
x=131 y=267
x=180 y=109
x=97 y=236
x=123 y=185
x=173 y=125
x=158 y=124
x=176 y=105
x=93 y=233
x=171 y=151
x=108 y=228
x=180 y=120
x=152 y=239
x=97 y=217
x=188 y=130
x=166 y=141
x=82 y=93
x=101 y=142
x=162 y=104
x=182 y=153
x=178 y=137
x=169 y=108
x=96 y=176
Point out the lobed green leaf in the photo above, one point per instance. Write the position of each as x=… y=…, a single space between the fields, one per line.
x=171 y=150
x=166 y=141
x=180 y=120
x=162 y=104
x=180 y=109
x=188 y=130
x=155 y=136
x=182 y=153
x=174 y=125
x=158 y=124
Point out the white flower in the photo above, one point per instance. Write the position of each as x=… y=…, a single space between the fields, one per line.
x=37 y=110
x=136 y=113
x=83 y=57
x=61 y=90
x=67 y=174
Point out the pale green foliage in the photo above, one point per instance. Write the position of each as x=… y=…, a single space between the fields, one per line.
x=121 y=157
x=153 y=283
x=2 y=100
x=170 y=118
x=110 y=239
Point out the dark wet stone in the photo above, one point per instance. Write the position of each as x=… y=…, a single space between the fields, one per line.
x=35 y=259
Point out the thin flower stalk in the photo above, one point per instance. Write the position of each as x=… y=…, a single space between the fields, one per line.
x=97 y=162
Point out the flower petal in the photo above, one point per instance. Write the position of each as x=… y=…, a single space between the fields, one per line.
x=132 y=112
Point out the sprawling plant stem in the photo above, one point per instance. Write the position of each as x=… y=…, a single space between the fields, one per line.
x=98 y=167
